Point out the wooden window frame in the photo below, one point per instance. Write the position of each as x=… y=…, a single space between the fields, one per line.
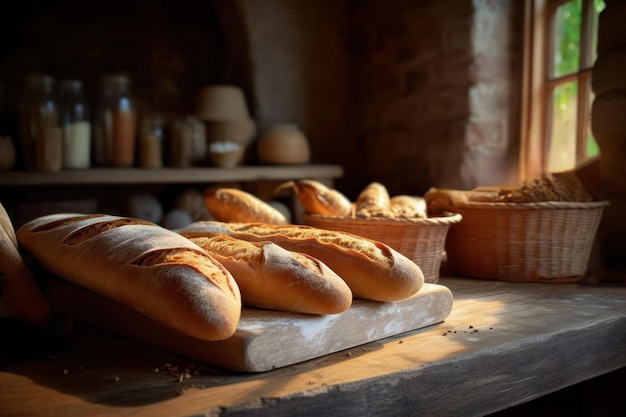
x=538 y=84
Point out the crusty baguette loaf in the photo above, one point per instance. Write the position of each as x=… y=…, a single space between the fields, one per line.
x=439 y=201
x=139 y=264
x=274 y=278
x=317 y=198
x=373 y=201
x=372 y=270
x=20 y=297
x=234 y=205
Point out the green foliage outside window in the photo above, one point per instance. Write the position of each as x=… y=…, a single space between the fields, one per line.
x=567 y=56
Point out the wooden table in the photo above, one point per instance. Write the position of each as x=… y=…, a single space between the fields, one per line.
x=502 y=344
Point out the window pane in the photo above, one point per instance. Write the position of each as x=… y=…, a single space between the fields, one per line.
x=591 y=146
x=562 y=152
x=598 y=6
x=566 y=58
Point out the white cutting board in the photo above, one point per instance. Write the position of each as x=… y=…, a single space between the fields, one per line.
x=264 y=339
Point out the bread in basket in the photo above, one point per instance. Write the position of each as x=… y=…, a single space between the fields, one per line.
x=542 y=231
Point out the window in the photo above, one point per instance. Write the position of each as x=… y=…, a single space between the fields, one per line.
x=561 y=42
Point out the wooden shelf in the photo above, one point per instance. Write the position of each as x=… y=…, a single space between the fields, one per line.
x=112 y=176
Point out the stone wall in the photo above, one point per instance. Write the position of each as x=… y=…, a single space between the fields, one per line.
x=411 y=94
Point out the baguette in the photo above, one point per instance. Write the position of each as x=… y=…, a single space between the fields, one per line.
x=273 y=278
x=372 y=270
x=20 y=296
x=139 y=264
x=317 y=198
x=234 y=205
x=439 y=201
x=373 y=201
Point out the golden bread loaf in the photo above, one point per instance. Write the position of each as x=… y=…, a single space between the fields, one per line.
x=408 y=206
x=139 y=264
x=442 y=200
x=317 y=198
x=235 y=205
x=372 y=270
x=373 y=201
x=274 y=278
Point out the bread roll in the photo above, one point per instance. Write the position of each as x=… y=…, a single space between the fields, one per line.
x=372 y=270
x=408 y=206
x=137 y=263
x=274 y=278
x=234 y=205
x=20 y=297
x=373 y=201
x=317 y=198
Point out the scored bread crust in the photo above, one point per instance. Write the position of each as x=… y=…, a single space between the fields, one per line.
x=154 y=270
x=235 y=205
x=274 y=278
x=372 y=270
x=317 y=198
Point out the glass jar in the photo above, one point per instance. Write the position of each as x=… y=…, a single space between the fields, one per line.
x=115 y=123
x=75 y=124
x=40 y=133
x=150 y=143
x=188 y=146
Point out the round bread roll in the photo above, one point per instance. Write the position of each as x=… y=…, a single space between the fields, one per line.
x=408 y=206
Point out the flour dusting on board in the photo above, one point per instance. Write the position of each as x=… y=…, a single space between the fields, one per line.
x=309 y=328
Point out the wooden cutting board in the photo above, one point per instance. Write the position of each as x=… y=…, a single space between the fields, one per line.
x=264 y=339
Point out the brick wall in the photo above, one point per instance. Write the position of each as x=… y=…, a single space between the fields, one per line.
x=438 y=92
x=411 y=94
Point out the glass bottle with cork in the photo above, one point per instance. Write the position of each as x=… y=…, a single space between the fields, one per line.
x=76 y=125
x=115 y=123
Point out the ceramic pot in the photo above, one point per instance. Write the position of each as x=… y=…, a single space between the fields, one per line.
x=240 y=131
x=221 y=102
x=283 y=144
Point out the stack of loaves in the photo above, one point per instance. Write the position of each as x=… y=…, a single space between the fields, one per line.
x=197 y=279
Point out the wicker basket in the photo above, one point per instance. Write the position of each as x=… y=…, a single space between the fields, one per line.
x=524 y=242
x=421 y=240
